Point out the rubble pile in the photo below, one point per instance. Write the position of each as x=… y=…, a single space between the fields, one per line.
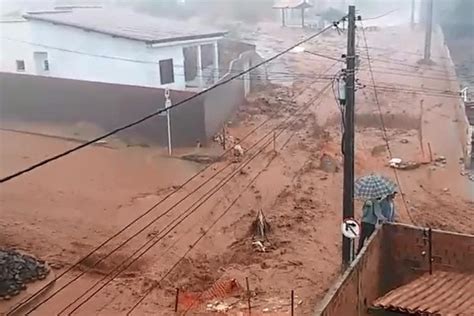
x=16 y=270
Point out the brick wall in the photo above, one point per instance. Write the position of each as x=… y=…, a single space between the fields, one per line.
x=360 y=284
x=396 y=255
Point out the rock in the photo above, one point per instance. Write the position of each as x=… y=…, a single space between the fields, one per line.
x=264 y=265
x=441 y=160
x=328 y=164
x=16 y=270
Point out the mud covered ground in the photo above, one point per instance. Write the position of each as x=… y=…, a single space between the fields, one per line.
x=62 y=211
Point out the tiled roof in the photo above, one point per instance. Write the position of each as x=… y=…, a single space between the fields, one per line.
x=126 y=24
x=291 y=4
x=442 y=293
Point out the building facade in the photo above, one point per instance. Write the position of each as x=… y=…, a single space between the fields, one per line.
x=94 y=44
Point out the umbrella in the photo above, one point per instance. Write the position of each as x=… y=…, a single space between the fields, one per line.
x=373 y=187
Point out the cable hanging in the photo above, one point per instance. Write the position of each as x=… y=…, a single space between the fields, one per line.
x=126 y=241
x=156 y=113
x=382 y=123
x=152 y=243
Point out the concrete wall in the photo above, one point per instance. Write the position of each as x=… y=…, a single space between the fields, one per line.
x=108 y=106
x=111 y=105
x=77 y=54
x=222 y=102
x=230 y=50
x=396 y=255
x=464 y=128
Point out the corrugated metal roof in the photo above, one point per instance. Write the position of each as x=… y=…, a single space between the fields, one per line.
x=442 y=293
x=291 y=4
x=127 y=24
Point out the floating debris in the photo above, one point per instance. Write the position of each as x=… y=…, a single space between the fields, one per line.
x=260 y=227
x=398 y=163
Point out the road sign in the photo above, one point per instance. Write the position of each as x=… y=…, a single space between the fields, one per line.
x=350 y=228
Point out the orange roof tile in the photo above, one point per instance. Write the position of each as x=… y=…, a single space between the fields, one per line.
x=442 y=293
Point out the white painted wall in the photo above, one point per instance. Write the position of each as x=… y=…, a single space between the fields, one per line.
x=80 y=51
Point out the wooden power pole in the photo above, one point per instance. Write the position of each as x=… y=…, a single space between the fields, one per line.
x=348 y=140
x=429 y=31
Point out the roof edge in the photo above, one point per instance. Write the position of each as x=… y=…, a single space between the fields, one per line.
x=37 y=17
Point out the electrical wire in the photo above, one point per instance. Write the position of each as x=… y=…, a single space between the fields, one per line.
x=203 y=235
x=154 y=242
x=413 y=75
x=423 y=92
x=147 y=212
x=192 y=246
x=382 y=15
x=123 y=243
x=383 y=127
x=210 y=69
x=147 y=117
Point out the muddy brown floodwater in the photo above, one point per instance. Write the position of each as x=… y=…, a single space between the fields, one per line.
x=62 y=211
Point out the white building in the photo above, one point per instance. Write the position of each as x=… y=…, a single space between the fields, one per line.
x=113 y=46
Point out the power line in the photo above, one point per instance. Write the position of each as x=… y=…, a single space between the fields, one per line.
x=149 y=224
x=152 y=242
x=146 y=250
x=401 y=73
x=115 y=131
x=382 y=123
x=202 y=235
x=141 y=61
x=221 y=184
x=424 y=92
x=152 y=208
x=382 y=15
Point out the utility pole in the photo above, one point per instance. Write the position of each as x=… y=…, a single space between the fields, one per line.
x=412 y=19
x=168 y=120
x=429 y=30
x=348 y=141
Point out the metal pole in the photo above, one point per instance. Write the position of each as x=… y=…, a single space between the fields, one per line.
x=292 y=302
x=348 y=141
x=223 y=137
x=176 y=301
x=168 y=104
x=412 y=19
x=283 y=23
x=429 y=30
x=430 y=249
x=248 y=295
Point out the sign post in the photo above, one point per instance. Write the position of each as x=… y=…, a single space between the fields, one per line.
x=168 y=119
x=168 y=104
x=350 y=229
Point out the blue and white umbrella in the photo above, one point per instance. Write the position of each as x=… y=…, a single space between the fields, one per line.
x=373 y=187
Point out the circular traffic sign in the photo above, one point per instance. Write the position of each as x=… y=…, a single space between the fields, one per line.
x=350 y=228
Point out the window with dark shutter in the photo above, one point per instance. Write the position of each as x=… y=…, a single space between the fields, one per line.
x=20 y=65
x=166 y=71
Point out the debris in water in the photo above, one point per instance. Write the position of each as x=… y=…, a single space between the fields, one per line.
x=398 y=163
x=258 y=245
x=260 y=227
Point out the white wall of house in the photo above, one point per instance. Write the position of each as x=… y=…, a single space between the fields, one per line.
x=86 y=55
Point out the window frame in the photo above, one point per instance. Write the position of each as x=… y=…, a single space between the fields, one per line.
x=162 y=71
x=18 y=68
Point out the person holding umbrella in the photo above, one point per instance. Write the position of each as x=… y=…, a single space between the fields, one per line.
x=377 y=192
